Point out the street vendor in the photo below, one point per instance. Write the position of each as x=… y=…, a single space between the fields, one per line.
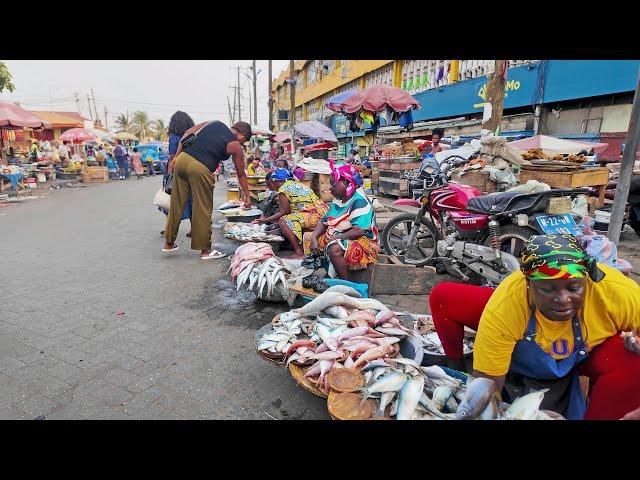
x=348 y=233
x=561 y=316
x=300 y=209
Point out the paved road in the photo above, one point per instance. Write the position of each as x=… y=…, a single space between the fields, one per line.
x=182 y=349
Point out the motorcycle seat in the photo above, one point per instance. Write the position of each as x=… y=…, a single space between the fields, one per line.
x=498 y=202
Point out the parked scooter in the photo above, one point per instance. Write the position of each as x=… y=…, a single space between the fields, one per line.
x=474 y=237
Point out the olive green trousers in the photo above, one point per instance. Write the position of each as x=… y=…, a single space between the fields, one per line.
x=191 y=177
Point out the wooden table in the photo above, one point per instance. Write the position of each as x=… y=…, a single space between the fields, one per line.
x=587 y=177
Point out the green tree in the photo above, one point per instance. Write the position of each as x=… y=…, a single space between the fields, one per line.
x=5 y=79
x=160 y=130
x=123 y=122
x=141 y=126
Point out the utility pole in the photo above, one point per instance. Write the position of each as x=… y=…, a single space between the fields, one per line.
x=235 y=97
x=77 y=98
x=270 y=99
x=95 y=109
x=292 y=112
x=106 y=122
x=89 y=105
x=626 y=170
x=230 y=115
x=494 y=98
x=255 y=95
x=239 y=103
x=250 y=109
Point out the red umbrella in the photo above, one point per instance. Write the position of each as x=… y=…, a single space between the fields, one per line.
x=78 y=135
x=13 y=117
x=377 y=98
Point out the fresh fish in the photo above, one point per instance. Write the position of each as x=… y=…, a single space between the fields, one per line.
x=377 y=372
x=548 y=415
x=480 y=391
x=276 y=336
x=394 y=408
x=491 y=412
x=526 y=407
x=405 y=361
x=345 y=290
x=431 y=408
x=337 y=312
x=452 y=405
x=435 y=372
x=441 y=396
x=348 y=363
x=266 y=345
x=382 y=317
x=330 y=299
x=353 y=332
x=409 y=397
x=282 y=344
x=375 y=364
x=386 y=340
x=327 y=355
x=385 y=399
x=373 y=354
x=298 y=344
x=391 y=382
x=392 y=331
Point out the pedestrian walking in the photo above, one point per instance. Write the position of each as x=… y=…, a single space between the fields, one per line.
x=121 y=159
x=200 y=151
x=136 y=163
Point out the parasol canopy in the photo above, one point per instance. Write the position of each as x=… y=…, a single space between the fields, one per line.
x=12 y=117
x=317 y=130
x=124 y=136
x=557 y=145
x=335 y=102
x=78 y=135
x=257 y=130
x=377 y=98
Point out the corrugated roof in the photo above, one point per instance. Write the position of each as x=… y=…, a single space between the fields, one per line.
x=60 y=119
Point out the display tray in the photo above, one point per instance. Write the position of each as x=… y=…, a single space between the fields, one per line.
x=276 y=358
x=348 y=406
x=309 y=385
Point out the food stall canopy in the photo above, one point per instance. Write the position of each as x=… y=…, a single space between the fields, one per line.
x=78 y=135
x=257 y=130
x=335 y=102
x=12 y=117
x=557 y=145
x=379 y=97
x=124 y=136
x=317 y=130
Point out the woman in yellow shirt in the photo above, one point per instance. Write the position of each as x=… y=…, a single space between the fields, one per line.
x=555 y=320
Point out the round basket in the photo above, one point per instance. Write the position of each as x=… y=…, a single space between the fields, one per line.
x=345 y=380
x=309 y=385
x=277 y=357
x=348 y=406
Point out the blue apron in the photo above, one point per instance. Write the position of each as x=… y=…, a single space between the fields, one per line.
x=529 y=360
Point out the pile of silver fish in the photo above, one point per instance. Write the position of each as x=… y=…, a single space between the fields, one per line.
x=431 y=344
x=249 y=231
x=414 y=392
x=255 y=266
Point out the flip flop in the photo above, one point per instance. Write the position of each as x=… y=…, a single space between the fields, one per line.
x=213 y=255
x=175 y=247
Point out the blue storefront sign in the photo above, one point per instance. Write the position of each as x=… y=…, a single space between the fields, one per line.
x=559 y=79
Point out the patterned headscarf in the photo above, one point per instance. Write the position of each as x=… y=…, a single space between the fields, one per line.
x=347 y=172
x=551 y=257
x=281 y=174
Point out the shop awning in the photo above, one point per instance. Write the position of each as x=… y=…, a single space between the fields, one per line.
x=58 y=120
x=13 y=116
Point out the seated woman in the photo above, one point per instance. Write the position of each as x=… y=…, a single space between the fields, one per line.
x=300 y=209
x=348 y=232
x=269 y=205
x=557 y=318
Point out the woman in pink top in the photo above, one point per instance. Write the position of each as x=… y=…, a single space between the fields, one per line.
x=136 y=163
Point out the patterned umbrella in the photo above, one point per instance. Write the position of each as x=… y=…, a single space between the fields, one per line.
x=335 y=103
x=377 y=98
x=78 y=135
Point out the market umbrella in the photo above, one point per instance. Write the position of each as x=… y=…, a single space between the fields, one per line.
x=317 y=130
x=257 y=130
x=14 y=117
x=104 y=136
x=377 y=98
x=335 y=102
x=78 y=135
x=124 y=136
x=557 y=145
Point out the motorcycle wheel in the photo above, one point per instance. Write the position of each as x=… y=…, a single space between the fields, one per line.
x=399 y=228
x=513 y=239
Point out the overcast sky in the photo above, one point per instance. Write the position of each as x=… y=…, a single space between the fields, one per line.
x=159 y=87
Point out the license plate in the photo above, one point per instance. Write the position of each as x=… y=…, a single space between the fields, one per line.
x=558 y=224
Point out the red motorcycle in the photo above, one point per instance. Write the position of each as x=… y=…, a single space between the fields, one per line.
x=466 y=233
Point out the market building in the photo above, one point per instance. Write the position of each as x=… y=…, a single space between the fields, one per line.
x=573 y=99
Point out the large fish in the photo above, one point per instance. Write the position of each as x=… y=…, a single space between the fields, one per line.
x=441 y=396
x=526 y=407
x=337 y=312
x=373 y=354
x=385 y=399
x=345 y=290
x=409 y=397
x=330 y=299
x=391 y=382
x=480 y=391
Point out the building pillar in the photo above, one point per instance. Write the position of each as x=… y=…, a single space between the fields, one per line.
x=397 y=73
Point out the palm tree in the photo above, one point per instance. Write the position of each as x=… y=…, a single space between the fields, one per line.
x=160 y=130
x=141 y=126
x=123 y=122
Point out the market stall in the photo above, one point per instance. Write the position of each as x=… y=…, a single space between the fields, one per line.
x=77 y=137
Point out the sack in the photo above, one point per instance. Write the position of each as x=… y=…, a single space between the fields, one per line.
x=162 y=199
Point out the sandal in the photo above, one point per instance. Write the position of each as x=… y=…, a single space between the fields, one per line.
x=213 y=254
x=175 y=247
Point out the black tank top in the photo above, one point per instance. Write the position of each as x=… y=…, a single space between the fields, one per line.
x=210 y=146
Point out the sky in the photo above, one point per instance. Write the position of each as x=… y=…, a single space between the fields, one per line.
x=159 y=87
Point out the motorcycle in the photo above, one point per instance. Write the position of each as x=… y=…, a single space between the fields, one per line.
x=472 y=236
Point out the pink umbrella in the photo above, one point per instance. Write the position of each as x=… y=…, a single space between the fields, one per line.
x=377 y=98
x=14 y=117
x=78 y=135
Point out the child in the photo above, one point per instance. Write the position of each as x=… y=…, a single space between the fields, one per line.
x=254 y=167
x=112 y=167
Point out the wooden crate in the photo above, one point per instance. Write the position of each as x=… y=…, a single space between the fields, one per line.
x=477 y=179
x=398 y=166
x=588 y=177
x=95 y=175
